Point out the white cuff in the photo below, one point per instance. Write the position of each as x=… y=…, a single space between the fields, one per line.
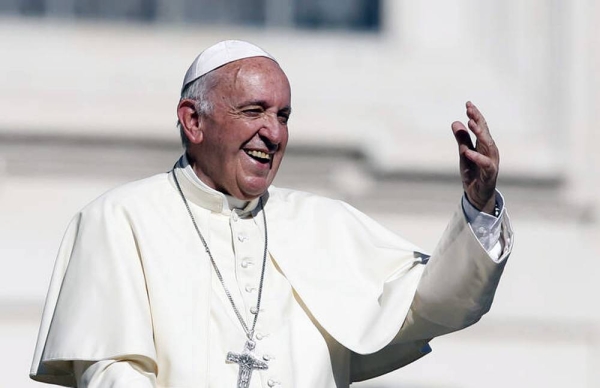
x=485 y=226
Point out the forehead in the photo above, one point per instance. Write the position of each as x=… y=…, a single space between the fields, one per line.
x=258 y=77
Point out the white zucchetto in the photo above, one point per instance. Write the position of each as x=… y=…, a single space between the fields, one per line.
x=221 y=54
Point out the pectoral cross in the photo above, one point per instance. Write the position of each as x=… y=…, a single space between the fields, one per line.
x=247 y=362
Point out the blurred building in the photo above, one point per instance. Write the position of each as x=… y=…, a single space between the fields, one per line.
x=87 y=101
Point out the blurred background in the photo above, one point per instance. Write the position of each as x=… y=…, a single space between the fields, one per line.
x=88 y=91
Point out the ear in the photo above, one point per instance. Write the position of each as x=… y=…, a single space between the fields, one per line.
x=190 y=120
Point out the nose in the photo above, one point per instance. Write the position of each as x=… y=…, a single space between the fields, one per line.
x=273 y=132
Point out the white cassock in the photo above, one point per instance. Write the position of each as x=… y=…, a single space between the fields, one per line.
x=134 y=302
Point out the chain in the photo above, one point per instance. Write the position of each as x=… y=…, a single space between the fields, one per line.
x=249 y=332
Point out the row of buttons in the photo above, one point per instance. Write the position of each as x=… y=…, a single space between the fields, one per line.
x=246 y=263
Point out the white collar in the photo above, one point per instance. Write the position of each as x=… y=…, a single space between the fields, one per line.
x=200 y=194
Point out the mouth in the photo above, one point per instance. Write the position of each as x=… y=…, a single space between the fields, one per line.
x=259 y=156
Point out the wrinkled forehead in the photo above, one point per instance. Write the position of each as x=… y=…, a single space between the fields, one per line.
x=253 y=67
x=219 y=55
x=260 y=79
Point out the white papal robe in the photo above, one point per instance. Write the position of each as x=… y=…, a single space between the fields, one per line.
x=344 y=299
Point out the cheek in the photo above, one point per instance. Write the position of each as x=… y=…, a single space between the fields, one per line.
x=286 y=136
x=284 y=141
x=226 y=145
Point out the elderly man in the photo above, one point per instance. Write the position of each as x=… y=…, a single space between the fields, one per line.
x=207 y=276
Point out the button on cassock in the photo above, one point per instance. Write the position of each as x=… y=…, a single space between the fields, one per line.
x=260 y=336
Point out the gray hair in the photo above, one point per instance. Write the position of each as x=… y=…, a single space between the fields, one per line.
x=199 y=91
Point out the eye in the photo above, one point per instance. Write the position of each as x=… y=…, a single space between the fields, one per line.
x=253 y=112
x=283 y=118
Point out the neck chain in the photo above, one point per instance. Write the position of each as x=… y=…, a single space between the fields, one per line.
x=247 y=361
x=249 y=331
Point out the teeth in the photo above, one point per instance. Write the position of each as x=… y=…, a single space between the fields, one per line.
x=259 y=154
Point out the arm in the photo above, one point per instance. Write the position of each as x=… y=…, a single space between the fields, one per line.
x=460 y=280
x=456 y=289
x=458 y=285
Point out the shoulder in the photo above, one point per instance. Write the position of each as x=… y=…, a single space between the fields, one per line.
x=132 y=195
x=284 y=196
x=295 y=204
x=289 y=209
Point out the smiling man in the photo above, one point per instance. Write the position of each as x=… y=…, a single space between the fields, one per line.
x=236 y=146
x=208 y=276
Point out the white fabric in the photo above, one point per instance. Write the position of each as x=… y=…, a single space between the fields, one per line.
x=132 y=284
x=487 y=228
x=111 y=373
x=221 y=54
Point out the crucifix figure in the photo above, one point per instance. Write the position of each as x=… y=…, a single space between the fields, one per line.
x=247 y=362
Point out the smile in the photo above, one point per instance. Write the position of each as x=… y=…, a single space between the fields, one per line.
x=261 y=156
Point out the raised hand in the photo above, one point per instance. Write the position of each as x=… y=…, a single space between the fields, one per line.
x=478 y=164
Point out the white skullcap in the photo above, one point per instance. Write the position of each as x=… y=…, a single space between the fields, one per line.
x=221 y=54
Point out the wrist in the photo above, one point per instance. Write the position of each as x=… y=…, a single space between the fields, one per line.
x=490 y=207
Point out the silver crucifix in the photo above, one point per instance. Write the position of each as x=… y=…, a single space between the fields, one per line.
x=247 y=362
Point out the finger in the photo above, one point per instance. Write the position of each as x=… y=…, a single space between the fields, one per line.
x=462 y=136
x=478 y=125
x=482 y=161
x=474 y=114
x=483 y=136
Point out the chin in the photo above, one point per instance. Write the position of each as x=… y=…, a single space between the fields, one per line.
x=251 y=186
x=252 y=191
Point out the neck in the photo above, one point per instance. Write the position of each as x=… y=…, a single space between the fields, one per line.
x=231 y=202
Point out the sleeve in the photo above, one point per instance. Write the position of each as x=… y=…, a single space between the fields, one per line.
x=456 y=289
x=113 y=374
x=97 y=306
x=459 y=282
